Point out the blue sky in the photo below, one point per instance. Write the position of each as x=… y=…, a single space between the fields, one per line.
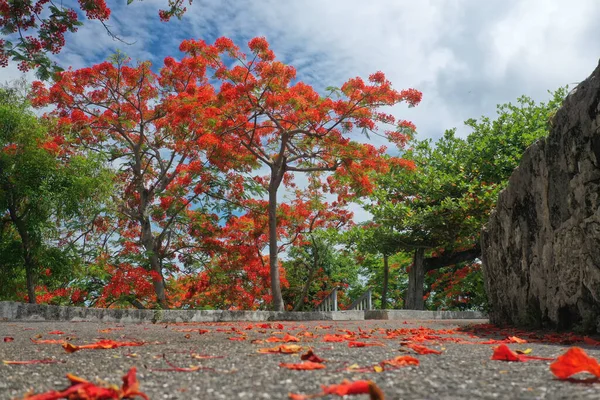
x=466 y=56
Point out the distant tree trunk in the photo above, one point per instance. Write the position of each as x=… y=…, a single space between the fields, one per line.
x=277 y=172
x=27 y=250
x=309 y=280
x=414 y=294
x=137 y=304
x=149 y=243
x=386 y=274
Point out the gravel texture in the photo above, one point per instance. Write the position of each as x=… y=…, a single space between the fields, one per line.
x=463 y=371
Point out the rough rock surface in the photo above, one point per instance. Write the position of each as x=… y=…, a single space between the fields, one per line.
x=541 y=247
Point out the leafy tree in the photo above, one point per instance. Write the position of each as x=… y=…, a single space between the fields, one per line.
x=44 y=186
x=375 y=239
x=442 y=207
x=36 y=28
x=497 y=145
x=316 y=266
x=437 y=207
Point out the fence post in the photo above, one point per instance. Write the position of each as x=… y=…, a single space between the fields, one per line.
x=335 y=305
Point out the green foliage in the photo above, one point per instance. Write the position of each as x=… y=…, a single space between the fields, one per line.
x=46 y=195
x=496 y=146
x=335 y=268
x=443 y=205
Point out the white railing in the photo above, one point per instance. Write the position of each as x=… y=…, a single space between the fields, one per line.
x=363 y=302
x=329 y=303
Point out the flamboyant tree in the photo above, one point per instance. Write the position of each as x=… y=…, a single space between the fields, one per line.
x=172 y=171
x=288 y=127
x=238 y=275
x=32 y=29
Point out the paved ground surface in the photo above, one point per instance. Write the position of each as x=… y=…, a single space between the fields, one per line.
x=463 y=371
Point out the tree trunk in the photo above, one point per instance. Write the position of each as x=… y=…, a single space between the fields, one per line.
x=26 y=247
x=386 y=274
x=30 y=274
x=149 y=243
x=273 y=262
x=309 y=279
x=137 y=304
x=416 y=277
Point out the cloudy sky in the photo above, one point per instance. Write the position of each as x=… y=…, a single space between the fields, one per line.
x=466 y=56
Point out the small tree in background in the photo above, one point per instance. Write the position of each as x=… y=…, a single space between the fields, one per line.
x=45 y=187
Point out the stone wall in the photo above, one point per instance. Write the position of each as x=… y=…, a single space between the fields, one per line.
x=14 y=311
x=541 y=247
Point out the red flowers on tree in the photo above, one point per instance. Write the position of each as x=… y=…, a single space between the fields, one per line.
x=185 y=143
x=286 y=126
x=38 y=27
x=158 y=129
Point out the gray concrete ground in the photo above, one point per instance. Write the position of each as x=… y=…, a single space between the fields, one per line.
x=463 y=371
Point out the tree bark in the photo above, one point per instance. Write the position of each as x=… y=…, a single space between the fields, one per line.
x=149 y=243
x=273 y=249
x=386 y=274
x=26 y=247
x=137 y=304
x=434 y=263
x=416 y=277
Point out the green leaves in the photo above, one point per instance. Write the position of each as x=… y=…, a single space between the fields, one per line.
x=43 y=189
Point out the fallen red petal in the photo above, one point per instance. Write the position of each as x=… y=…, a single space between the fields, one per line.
x=356 y=387
x=44 y=361
x=422 y=349
x=400 y=361
x=504 y=353
x=310 y=356
x=590 y=341
x=304 y=366
x=363 y=344
x=574 y=361
x=99 y=345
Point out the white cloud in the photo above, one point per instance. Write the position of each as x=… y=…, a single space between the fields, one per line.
x=465 y=56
